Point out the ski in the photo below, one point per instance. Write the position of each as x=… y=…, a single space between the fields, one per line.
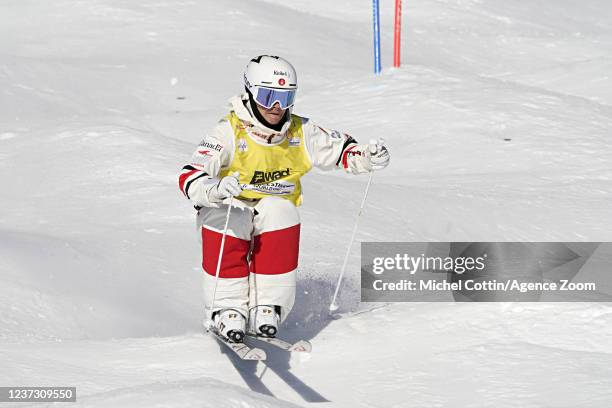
x=240 y=349
x=302 y=346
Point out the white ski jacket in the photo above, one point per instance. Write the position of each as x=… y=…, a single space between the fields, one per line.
x=327 y=149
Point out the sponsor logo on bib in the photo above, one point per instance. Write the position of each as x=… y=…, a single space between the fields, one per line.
x=242 y=145
x=281 y=187
x=260 y=177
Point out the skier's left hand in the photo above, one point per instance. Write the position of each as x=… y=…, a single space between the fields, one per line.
x=377 y=155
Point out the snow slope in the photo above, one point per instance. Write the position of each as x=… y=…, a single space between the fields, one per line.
x=498 y=125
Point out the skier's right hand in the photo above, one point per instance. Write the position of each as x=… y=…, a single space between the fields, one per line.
x=228 y=186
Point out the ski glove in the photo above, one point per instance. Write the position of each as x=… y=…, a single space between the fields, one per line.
x=377 y=155
x=228 y=186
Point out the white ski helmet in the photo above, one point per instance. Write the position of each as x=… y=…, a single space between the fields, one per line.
x=271 y=79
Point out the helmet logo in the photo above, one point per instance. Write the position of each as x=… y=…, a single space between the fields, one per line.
x=281 y=81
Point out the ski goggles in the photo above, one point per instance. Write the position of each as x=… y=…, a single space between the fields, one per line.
x=267 y=97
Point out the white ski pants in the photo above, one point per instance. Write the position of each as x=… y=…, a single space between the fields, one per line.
x=260 y=256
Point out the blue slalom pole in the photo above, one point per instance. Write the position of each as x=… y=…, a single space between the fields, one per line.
x=377 y=65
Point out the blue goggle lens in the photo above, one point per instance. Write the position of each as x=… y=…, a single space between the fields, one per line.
x=267 y=97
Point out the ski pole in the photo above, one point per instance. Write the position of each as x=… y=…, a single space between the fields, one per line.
x=209 y=323
x=334 y=306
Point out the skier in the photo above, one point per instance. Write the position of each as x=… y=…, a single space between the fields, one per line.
x=257 y=154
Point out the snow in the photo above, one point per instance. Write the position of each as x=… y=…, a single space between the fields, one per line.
x=498 y=124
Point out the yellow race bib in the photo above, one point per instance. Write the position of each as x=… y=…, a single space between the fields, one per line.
x=269 y=170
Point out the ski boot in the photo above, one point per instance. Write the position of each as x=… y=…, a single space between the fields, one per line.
x=231 y=324
x=264 y=320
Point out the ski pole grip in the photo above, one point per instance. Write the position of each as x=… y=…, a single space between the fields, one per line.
x=373 y=146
